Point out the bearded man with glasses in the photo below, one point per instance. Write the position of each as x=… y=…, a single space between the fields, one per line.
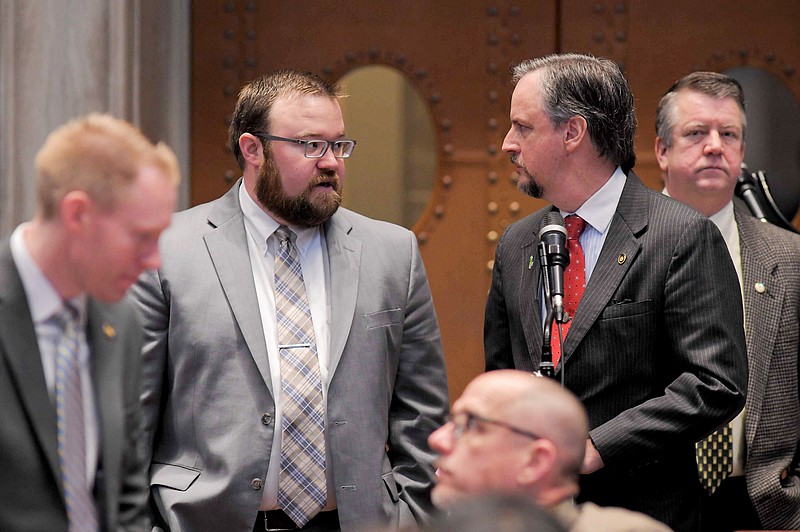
x=515 y=434
x=294 y=363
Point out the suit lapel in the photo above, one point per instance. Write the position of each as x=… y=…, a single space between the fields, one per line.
x=107 y=375
x=227 y=246
x=620 y=249
x=344 y=257
x=19 y=346
x=530 y=295
x=761 y=325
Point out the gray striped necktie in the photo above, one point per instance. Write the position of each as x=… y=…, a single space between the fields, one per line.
x=302 y=488
x=81 y=512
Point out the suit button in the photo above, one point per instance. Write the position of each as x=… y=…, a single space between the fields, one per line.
x=256 y=483
x=266 y=419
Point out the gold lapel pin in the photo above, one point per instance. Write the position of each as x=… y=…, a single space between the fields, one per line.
x=621 y=259
x=760 y=288
x=109 y=331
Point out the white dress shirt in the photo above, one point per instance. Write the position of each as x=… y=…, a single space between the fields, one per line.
x=313 y=254
x=726 y=223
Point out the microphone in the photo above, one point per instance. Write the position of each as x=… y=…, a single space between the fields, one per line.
x=746 y=190
x=553 y=237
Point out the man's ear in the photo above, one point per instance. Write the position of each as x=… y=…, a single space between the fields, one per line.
x=252 y=149
x=541 y=461
x=74 y=209
x=661 y=154
x=574 y=132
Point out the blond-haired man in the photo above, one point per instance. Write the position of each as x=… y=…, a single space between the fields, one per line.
x=69 y=347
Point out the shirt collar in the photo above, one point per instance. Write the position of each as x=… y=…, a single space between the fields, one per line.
x=599 y=209
x=43 y=299
x=261 y=225
x=725 y=221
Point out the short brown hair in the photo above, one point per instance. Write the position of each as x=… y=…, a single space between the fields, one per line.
x=713 y=84
x=256 y=99
x=100 y=155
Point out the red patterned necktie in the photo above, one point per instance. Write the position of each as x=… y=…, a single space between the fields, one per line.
x=574 y=279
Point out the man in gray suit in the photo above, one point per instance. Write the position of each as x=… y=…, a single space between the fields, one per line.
x=700 y=127
x=655 y=349
x=70 y=423
x=215 y=369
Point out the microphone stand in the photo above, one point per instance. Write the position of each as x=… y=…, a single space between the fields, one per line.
x=546 y=368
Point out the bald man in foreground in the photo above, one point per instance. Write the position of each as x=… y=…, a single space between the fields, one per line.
x=513 y=433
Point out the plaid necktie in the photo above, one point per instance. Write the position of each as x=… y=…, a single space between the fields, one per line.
x=302 y=488
x=574 y=279
x=715 y=458
x=81 y=512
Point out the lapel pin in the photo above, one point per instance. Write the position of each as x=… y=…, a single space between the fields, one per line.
x=109 y=331
x=530 y=262
x=760 y=288
x=621 y=259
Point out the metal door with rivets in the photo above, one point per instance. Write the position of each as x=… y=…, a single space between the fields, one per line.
x=457 y=55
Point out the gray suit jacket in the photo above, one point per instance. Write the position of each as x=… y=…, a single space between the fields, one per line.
x=771 y=256
x=656 y=350
x=31 y=492
x=208 y=396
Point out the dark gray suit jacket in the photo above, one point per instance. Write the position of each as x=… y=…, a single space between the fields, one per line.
x=31 y=492
x=656 y=351
x=208 y=398
x=771 y=256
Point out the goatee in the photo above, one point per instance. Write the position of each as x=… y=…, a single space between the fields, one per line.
x=301 y=210
x=530 y=187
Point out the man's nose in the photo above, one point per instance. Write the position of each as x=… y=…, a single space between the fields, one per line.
x=509 y=143
x=150 y=259
x=713 y=142
x=328 y=161
x=441 y=440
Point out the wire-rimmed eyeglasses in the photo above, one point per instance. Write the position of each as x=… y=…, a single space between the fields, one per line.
x=464 y=422
x=316 y=148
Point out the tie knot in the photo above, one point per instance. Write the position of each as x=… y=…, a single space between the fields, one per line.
x=575 y=226
x=284 y=235
x=65 y=316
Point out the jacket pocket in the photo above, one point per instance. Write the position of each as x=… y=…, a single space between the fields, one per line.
x=391 y=486
x=626 y=308
x=383 y=318
x=173 y=476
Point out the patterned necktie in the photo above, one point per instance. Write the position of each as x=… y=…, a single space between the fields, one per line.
x=715 y=458
x=302 y=488
x=81 y=512
x=574 y=280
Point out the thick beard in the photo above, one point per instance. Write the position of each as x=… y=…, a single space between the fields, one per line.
x=300 y=210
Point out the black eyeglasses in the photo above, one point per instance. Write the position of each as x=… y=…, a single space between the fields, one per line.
x=464 y=422
x=316 y=148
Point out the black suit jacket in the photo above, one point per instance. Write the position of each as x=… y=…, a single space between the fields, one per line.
x=31 y=492
x=771 y=257
x=656 y=351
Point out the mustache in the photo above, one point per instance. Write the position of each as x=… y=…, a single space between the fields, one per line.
x=325 y=176
x=514 y=157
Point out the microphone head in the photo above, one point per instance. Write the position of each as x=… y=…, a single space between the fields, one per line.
x=552 y=221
